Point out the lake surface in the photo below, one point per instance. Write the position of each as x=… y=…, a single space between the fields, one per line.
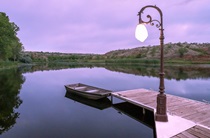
x=34 y=101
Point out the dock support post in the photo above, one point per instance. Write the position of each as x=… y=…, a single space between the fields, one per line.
x=144 y=111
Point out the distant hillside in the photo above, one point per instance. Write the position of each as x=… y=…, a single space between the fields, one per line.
x=187 y=51
x=172 y=51
x=57 y=57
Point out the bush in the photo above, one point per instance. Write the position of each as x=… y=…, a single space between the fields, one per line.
x=26 y=59
x=182 y=51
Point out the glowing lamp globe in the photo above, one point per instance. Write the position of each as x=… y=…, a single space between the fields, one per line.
x=141 y=32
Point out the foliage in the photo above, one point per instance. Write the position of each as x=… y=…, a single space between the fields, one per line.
x=202 y=51
x=10 y=45
x=132 y=61
x=153 y=51
x=25 y=59
x=182 y=51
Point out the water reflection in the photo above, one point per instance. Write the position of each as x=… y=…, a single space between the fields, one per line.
x=189 y=81
x=177 y=72
x=45 y=112
x=98 y=104
x=141 y=115
x=11 y=81
x=53 y=66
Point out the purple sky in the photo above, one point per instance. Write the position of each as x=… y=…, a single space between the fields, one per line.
x=99 y=26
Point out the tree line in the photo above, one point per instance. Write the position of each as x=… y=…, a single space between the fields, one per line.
x=10 y=45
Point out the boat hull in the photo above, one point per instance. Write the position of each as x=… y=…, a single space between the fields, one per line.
x=101 y=93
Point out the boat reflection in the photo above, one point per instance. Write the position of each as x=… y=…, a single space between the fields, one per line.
x=100 y=104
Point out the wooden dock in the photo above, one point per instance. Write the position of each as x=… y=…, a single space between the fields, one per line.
x=193 y=115
x=194 y=132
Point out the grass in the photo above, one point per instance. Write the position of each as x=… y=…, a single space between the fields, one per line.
x=177 y=61
x=132 y=61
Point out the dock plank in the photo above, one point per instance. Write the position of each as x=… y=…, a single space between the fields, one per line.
x=197 y=134
x=196 y=131
x=183 y=104
x=202 y=130
x=198 y=116
x=180 y=136
x=206 y=123
x=187 y=134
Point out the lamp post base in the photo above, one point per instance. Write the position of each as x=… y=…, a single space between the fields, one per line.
x=161 y=114
x=161 y=118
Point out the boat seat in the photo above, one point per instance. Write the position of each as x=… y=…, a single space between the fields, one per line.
x=92 y=91
x=80 y=88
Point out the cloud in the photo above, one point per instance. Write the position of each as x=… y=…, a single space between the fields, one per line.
x=98 y=26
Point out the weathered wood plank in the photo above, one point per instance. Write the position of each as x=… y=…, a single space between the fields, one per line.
x=198 y=117
x=180 y=103
x=175 y=137
x=153 y=104
x=198 y=110
x=202 y=130
x=197 y=134
x=202 y=118
x=133 y=93
x=197 y=131
x=144 y=97
x=144 y=100
x=184 y=105
x=192 y=107
x=181 y=136
x=206 y=123
x=205 y=130
x=141 y=96
x=187 y=134
x=182 y=112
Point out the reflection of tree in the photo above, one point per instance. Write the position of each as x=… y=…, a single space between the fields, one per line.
x=178 y=72
x=11 y=81
x=54 y=66
x=171 y=72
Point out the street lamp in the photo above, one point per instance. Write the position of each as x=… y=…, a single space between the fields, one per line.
x=141 y=34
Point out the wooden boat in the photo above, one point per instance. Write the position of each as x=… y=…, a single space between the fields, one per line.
x=87 y=91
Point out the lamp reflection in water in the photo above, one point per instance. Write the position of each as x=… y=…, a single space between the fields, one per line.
x=141 y=34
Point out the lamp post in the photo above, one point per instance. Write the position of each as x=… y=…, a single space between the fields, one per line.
x=141 y=34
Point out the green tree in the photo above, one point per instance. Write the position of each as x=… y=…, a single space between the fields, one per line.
x=16 y=51
x=10 y=45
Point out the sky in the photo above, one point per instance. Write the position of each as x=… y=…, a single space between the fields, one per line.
x=99 y=26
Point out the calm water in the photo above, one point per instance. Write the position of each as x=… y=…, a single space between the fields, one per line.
x=34 y=103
